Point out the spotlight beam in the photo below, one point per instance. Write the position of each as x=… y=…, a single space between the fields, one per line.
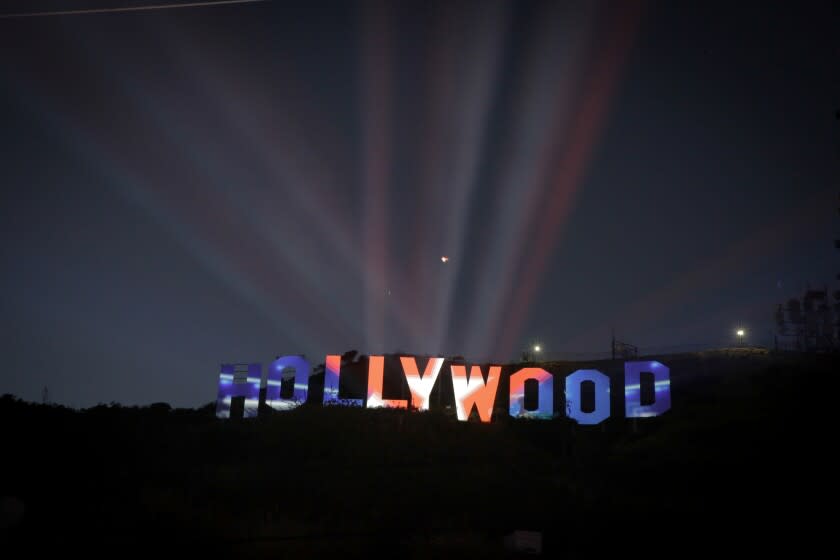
x=376 y=98
x=439 y=78
x=569 y=173
x=543 y=106
x=219 y=202
x=481 y=66
x=201 y=228
x=292 y=165
x=82 y=142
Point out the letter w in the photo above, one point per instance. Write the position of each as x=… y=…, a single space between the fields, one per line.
x=474 y=391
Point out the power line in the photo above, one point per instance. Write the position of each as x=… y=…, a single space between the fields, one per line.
x=129 y=9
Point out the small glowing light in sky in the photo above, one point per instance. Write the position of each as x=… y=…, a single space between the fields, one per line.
x=740 y=332
x=537 y=348
x=444 y=259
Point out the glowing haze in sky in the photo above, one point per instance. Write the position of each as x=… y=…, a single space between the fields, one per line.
x=195 y=186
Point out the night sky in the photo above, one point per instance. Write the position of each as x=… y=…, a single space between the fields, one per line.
x=186 y=187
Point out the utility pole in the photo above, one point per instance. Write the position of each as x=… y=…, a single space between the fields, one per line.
x=837 y=292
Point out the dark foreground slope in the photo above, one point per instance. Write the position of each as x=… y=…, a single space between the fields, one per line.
x=736 y=464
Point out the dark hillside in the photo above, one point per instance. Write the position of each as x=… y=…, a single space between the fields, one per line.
x=738 y=457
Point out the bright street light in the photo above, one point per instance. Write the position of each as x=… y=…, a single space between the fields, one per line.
x=537 y=348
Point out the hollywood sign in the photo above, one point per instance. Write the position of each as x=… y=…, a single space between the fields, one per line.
x=472 y=389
